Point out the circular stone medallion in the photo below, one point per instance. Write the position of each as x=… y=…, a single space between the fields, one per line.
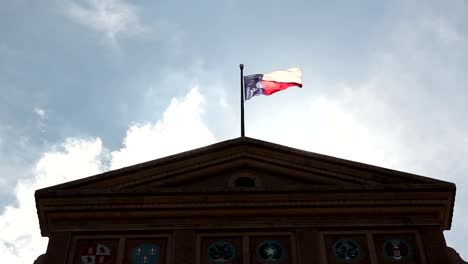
x=221 y=252
x=346 y=250
x=146 y=253
x=270 y=251
x=396 y=249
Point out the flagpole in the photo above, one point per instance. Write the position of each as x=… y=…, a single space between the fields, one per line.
x=241 y=66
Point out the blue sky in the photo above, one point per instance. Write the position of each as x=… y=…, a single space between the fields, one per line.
x=89 y=86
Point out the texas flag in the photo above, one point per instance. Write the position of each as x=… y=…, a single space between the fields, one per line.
x=269 y=83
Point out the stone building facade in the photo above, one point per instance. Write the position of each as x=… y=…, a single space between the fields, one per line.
x=246 y=201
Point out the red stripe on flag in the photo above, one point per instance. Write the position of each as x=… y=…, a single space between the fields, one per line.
x=270 y=87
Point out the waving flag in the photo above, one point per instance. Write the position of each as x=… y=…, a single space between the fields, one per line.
x=266 y=84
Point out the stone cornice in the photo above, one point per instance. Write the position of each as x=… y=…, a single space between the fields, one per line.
x=404 y=204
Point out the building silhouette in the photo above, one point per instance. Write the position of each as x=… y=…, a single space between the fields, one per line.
x=246 y=201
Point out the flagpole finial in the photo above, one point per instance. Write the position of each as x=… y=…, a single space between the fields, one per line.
x=241 y=66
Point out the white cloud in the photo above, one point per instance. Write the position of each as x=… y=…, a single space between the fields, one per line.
x=20 y=240
x=56 y=166
x=181 y=128
x=42 y=117
x=41 y=113
x=113 y=18
x=330 y=126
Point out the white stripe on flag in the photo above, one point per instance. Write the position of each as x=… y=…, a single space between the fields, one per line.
x=293 y=75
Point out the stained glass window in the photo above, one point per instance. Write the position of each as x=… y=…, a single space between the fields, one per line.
x=99 y=251
x=347 y=249
x=221 y=250
x=396 y=248
x=145 y=251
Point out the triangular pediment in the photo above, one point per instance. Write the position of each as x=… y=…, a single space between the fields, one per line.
x=219 y=167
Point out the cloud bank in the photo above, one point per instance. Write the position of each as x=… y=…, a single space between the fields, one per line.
x=180 y=128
